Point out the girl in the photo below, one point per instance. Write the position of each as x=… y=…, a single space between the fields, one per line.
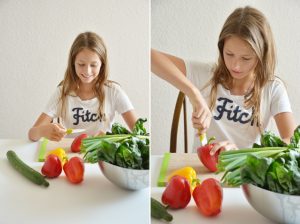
x=241 y=92
x=85 y=98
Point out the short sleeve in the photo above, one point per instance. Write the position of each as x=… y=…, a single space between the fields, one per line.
x=279 y=98
x=122 y=102
x=52 y=105
x=198 y=72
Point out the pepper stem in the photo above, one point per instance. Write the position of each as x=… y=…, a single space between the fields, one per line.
x=195 y=181
x=211 y=139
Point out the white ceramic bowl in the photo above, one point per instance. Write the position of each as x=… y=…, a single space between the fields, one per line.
x=125 y=178
x=280 y=208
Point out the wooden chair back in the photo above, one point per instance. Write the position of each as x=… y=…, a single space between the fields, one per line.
x=180 y=104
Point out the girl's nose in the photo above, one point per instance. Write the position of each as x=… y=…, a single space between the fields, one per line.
x=236 y=65
x=87 y=70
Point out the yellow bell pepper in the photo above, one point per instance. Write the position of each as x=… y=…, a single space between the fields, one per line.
x=189 y=173
x=61 y=153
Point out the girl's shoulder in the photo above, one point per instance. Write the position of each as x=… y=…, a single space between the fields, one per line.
x=112 y=87
x=57 y=91
x=274 y=87
x=195 y=66
x=275 y=83
x=200 y=73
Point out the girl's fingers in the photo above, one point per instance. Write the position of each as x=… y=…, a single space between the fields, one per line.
x=224 y=145
x=230 y=146
x=57 y=135
x=219 y=146
x=201 y=123
x=200 y=131
x=206 y=121
x=59 y=128
x=198 y=126
x=53 y=138
x=101 y=133
x=199 y=119
x=197 y=113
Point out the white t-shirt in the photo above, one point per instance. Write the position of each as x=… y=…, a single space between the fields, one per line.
x=231 y=120
x=84 y=113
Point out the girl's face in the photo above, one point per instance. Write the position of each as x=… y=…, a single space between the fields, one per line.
x=240 y=59
x=87 y=65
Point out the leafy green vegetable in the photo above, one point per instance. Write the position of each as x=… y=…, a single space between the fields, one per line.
x=120 y=147
x=283 y=174
x=145 y=155
x=108 y=151
x=118 y=129
x=269 y=139
x=139 y=127
x=129 y=155
x=232 y=161
x=255 y=170
x=273 y=165
x=295 y=140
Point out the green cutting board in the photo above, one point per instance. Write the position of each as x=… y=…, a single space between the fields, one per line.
x=46 y=145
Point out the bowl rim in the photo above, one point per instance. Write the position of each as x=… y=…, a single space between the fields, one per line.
x=252 y=185
x=107 y=168
x=102 y=161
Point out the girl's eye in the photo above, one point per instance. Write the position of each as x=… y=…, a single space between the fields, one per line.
x=246 y=59
x=94 y=65
x=229 y=54
x=81 y=65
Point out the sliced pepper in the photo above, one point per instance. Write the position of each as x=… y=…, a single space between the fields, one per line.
x=209 y=161
x=61 y=153
x=189 y=173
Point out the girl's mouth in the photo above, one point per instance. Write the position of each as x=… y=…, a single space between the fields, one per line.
x=86 y=76
x=236 y=73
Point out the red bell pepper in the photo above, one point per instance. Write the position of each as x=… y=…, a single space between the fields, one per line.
x=208 y=197
x=75 y=146
x=209 y=161
x=74 y=170
x=177 y=193
x=52 y=166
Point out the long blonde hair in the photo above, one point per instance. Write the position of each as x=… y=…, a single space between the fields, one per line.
x=250 y=25
x=93 y=42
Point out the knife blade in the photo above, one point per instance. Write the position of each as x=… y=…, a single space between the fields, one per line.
x=203 y=139
x=74 y=131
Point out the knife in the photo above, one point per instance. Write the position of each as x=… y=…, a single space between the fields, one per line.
x=74 y=131
x=203 y=139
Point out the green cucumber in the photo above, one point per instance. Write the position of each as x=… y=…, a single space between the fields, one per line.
x=159 y=211
x=26 y=170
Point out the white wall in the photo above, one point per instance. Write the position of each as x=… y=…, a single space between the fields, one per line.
x=35 y=39
x=190 y=29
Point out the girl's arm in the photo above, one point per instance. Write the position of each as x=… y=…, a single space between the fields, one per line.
x=286 y=125
x=44 y=128
x=173 y=70
x=130 y=118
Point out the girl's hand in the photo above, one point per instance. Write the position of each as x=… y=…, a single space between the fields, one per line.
x=100 y=133
x=223 y=146
x=201 y=116
x=53 y=131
